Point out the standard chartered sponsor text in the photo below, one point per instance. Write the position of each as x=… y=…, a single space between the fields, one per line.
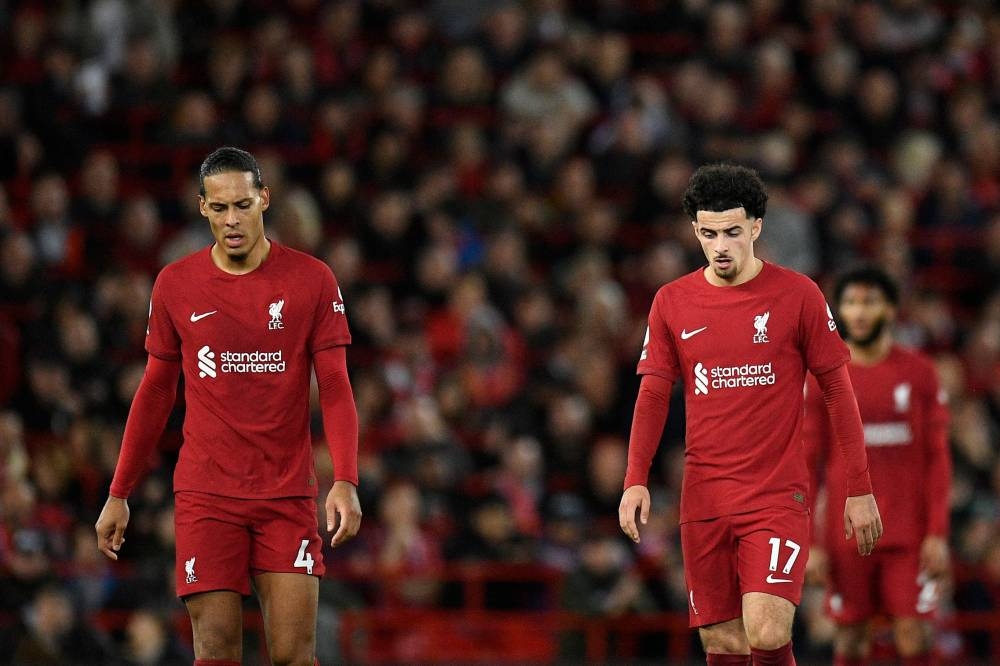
x=252 y=362
x=739 y=376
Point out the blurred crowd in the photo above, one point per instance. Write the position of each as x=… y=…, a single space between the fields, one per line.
x=497 y=187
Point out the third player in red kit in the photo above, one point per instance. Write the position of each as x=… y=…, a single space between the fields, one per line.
x=905 y=425
x=740 y=335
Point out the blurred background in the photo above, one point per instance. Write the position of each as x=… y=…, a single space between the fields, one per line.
x=497 y=187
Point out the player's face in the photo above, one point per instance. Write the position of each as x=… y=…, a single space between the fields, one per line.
x=727 y=238
x=235 y=211
x=864 y=312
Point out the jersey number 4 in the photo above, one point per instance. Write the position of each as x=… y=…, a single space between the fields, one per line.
x=304 y=559
x=775 y=546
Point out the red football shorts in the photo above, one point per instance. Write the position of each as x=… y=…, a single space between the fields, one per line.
x=223 y=541
x=726 y=557
x=887 y=581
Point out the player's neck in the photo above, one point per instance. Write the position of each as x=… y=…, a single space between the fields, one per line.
x=872 y=353
x=258 y=253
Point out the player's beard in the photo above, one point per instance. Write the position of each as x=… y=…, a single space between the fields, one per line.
x=873 y=334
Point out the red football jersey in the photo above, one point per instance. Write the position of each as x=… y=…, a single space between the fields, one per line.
x=905 y=419
x=742 y=353
x=245 y=343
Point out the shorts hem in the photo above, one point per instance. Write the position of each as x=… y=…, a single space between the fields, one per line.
x=257 y=572
x=698 y=622
x=794 y=596
x=208 y=587
x=860 y=618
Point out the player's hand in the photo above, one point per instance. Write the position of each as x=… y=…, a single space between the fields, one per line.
x=111 y=526
x=934 y=556
x=634 y=497
x=861 y=518
x=343 y=501
x=818 y=566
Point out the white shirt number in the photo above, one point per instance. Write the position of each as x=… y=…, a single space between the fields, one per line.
x=304 y=559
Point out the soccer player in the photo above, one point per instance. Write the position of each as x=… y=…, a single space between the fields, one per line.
x=246 y=320
x=905 y=425
x=740 y=334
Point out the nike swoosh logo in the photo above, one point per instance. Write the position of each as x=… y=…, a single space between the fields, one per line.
x=685 y=335
x=771 y=579
x=199 y=317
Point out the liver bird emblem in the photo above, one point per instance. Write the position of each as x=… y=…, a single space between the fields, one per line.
x=274 y=309
x=760 y=323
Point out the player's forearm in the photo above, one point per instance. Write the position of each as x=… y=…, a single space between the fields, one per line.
x=845 y=422
x=651 y=408
x=146 y=419
x=340 y=416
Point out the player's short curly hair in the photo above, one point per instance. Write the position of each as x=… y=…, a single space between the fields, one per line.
x=226 y=159
x=869 y=276
x=719 y=187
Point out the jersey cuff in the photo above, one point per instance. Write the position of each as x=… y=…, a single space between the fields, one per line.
x=860 y=485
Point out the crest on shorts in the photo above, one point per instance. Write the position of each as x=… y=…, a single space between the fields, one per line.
x=189 y=570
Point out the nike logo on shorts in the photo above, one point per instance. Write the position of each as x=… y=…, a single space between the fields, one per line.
x=199 y=317
x=685 y=335
x=771 y=579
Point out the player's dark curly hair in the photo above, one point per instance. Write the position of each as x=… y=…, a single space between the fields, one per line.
x=869 y=276
x=226 y=159
x=719 y=187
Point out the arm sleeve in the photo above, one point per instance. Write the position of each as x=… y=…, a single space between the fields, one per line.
x=816 y=441
x=146 y=419
x=330 y=318
x=651 y=408
x=845 y=422
x=340 y=417
x=658 y=357
x=938 y=462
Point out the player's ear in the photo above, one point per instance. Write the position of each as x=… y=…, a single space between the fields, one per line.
x=202 y=208
x=755 y=228
x=265 y=198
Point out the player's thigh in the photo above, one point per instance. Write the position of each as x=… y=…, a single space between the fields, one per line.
x=773 y=546
x=710 y=572
x=285 y=538
x=288 y=602
x=906 y=592
x=853 y=594
x=216 y=624
x=767 y=619
x=213 y=544
x=728 y=637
